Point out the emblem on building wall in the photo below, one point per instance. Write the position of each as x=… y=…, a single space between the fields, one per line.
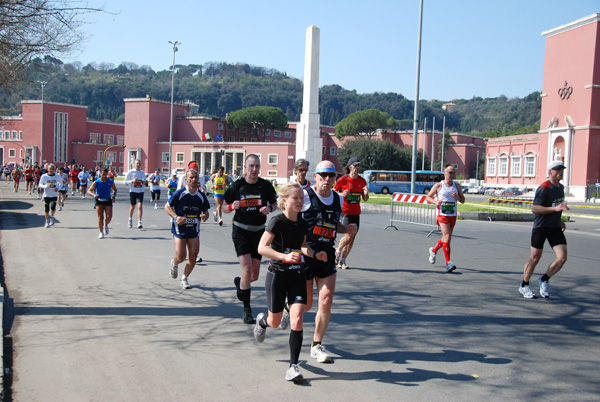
x=565 y=92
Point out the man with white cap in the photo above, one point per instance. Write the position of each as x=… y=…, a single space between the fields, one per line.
x=548 y=204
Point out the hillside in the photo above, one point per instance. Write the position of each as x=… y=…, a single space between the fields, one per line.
x=220 y=88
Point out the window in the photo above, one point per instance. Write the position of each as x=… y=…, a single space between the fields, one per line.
x=99 y=155
x=109 y=139
x=165 y=157
x=111 y=156
x=243 y=129
x=276 y=133
x=271 y=173
x=288 y=134
x=120 y=139
x=21 y=135
x=179 y=157
x=7 y=135
x=95 y=139
x=242 y=139
x=220 y=126
x=530 y=165
x=14 y=135
x=231 y=128
x=253 y=140
x=231 y=138
x=503 y=166
x=21 y=153
x=165 y=170
x=491 y=167
x=61 y=136
x=515 y=169
x=332 y=150
x=12 y=153
x=324 y=151
x=121 y=157
x=268 y=132
x=273 y=159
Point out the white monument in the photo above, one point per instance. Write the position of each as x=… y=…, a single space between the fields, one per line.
x=309 y=144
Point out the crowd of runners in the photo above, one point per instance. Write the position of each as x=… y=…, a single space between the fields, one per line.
x=300 y=241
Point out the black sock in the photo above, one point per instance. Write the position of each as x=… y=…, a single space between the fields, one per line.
x=545 y=278
x=315 y=343
x=523 y=284
x=263 y=322
x=246 y=297
x=296 y=338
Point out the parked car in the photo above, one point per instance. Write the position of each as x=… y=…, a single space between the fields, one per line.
x=474 y=190
x=512 y=191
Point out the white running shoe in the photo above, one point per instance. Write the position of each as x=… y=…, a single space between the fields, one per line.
x=173 y=271
x=215 y=217
x=220 y=222
x=318 y=352
x=431 y=256
x=106 y=230
x=140 y=225
x=59 y=208
x=259 y=332
x=293 y=374
x=338 y=255
x=101 y=235
x=526 y=292
x=544 y=288
x=285 y=318
x=52 y=220
x=155 y=206
x=47 y=224
x=130 y=224
x=450 y=267
x=184 y=284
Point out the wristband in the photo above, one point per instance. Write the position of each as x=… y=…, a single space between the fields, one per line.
x=230 y=207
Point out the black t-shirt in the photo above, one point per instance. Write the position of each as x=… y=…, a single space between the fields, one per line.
x=289 y=237
x=549 y=195
x=252 y=198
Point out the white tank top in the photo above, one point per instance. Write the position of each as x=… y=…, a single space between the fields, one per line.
x=448 y=206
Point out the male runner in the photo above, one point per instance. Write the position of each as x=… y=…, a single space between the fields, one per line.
x=172 y=183
x=182 y=182
x=29 y=174
x=49 y=183
x=136 y=179
x=83 y=177
x=63 y=186
x=353 y=189
x=219 y=181
x=101 y=190
x=446 y=193
x=548 y=204
x=300 y=170
x=154 y=180
x=74 y=174
x=322 y=211
x=187 y=206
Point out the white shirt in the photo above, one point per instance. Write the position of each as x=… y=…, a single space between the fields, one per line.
x=157 y=177
x=324 y=200
x=49 y=184
x=135 y=180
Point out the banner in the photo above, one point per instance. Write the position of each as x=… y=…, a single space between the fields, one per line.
x=206 y=137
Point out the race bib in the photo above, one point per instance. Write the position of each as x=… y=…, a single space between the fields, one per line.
x=251 y=201
x=353 y=198
x=322 y=230
x=448 y=208
x=191 y=220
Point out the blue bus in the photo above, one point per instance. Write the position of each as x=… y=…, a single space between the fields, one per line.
x=396 y=181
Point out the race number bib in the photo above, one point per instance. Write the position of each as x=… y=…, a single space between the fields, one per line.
x=251 y=203
x=191 y=220
x=448 y=208
x=324 y=230
x=353 y=198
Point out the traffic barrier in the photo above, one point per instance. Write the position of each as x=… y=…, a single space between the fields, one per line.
x=517 y=202
x=412 y=208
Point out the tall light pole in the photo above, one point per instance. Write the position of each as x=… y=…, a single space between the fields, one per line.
x=172 y=93
x=477 y=168
x=43 y=84
x=432 y=141
x=443 y=143
x=413 y=186
x=423 y=141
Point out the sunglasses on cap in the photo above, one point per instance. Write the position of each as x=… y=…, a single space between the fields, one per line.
x=326 y=174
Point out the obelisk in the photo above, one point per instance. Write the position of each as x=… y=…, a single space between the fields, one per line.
x=308 y=134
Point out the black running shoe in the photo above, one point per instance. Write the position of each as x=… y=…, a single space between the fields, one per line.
x=248 y=319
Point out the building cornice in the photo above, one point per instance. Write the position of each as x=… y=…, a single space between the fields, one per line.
x=590 y=19
x=52 y=103
x=106 y=122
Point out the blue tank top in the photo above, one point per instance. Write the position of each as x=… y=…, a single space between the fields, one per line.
x=103 y=188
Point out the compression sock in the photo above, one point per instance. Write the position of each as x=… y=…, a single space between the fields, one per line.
x=295 y=345
x=446 y=248
x=246 y=297
x=437 y=246
x=545 y=278
x=523 y=284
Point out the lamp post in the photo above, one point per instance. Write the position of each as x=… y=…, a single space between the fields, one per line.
x=477 y=168
x=413 y=183
x=175 y=43
x=43 y=84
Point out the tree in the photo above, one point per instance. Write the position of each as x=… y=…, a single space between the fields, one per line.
x=259 y=118
x=378 y=155
x=32 y=28
x=365 y=122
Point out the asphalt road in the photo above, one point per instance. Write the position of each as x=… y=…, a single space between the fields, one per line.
x=101 y=320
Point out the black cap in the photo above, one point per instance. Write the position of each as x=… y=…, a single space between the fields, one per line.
x=353 y=161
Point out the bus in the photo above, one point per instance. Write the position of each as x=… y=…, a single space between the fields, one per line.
x=396 y=181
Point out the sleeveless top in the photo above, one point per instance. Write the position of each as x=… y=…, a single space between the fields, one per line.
x=322 y=221
x=448 y=206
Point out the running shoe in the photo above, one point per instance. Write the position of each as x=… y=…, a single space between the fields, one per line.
x=173 y=271
x=220 y=222
x=72 y=192
x=338 y=255
x=285 y=319
x=248 y=319
x=184 y=284
x=319 y=353
x=293 y=374
x=59 y=208
x=130 y=224
x=62 y=203
x=155 y=206
x=450 y=267
x=83 y=197
x=139 y=226
x=52 y=220
x=215 y=217
x=544 y=288
x=526 y=292
x=344 y=265
x=236 y=282
x=431 y=255
x=259 y=332
x=198 y=260
x=47 y=224
x=106 y=230
x=101 y=235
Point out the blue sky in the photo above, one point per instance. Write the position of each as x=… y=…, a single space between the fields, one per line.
x=470 y=48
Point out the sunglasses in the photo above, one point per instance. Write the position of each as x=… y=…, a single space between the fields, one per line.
x=326 y=174
x=302 y=170
x=451 y=172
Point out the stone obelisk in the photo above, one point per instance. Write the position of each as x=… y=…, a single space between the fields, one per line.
x=309 y=144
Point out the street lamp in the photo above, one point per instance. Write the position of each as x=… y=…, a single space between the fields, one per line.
x=43 y=84
x=172 y=93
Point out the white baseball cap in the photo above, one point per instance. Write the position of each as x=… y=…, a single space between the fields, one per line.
x=556 y=165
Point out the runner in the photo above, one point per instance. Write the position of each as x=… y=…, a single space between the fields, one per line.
x=219 y=182
x=136 y=179
x=83 y=177
x=7 y=175
x=63 y=186
x=101 y=190
x=201 y=186
x=187 y=206
x=154 y=180
x=29 y=174
x=74 y=174
x=39 y=172
x=446 y=193
x=322 y=211
x=252 y=198
x=172 y=184
x=16 y=176
x=300 y=170
x=548 y=205
x=49 y=182
x=353 y=188
x=284 y=242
